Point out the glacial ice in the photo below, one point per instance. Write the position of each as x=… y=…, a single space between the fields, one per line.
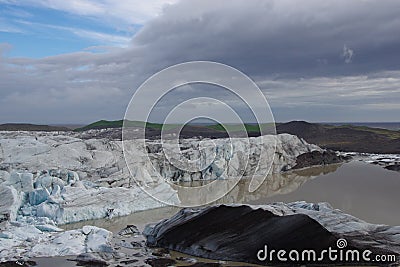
x=10 y=202
x=230 y=162
x=102 y=161
x=26 y=241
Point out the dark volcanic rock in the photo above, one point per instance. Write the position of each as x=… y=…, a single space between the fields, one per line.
x=131 y=261
x=18 y=264
x=318 y=158
x=160 y=262
x=237 y=233
x=206 y=264
x=394 y=167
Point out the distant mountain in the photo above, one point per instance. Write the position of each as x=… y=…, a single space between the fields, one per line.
x=395 y=126
x=345 y=137
x=302 y=129
x=31 y=127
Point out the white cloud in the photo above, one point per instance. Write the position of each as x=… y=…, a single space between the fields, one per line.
x=347 y=54
x=346 y=92
x=128 y=11
x=10 y=29
x=5 y=26
x=101 y=37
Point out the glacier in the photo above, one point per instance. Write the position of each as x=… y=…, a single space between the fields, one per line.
x=48 y=179
x=69 y=179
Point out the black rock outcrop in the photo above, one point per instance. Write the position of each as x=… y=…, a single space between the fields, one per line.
x=318 y=158
x=238 y=233
x=394 y=167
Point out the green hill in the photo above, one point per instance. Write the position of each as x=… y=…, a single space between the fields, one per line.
x=234 y=127
x=103 y=124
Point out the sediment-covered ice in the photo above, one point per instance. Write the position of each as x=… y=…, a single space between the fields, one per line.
x=23 y=241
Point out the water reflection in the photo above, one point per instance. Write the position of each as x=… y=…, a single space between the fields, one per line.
x=283 y=183
x=274 y=184
x=363 y=190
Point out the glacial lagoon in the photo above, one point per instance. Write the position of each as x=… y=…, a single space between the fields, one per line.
x=363 y=190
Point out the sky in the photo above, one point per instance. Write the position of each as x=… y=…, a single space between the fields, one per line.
x=81 y=61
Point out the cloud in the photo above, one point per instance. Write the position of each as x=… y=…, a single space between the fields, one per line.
x=290 y=50
x=130 y=12
x=275 y=37
x=347 y=54
x=4 y=48
x=100 y=37
x=344 y=98
x=16 y=12
x=6 y=27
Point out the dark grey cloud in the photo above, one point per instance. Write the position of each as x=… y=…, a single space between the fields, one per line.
x=280 y=37
x=315 y=60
